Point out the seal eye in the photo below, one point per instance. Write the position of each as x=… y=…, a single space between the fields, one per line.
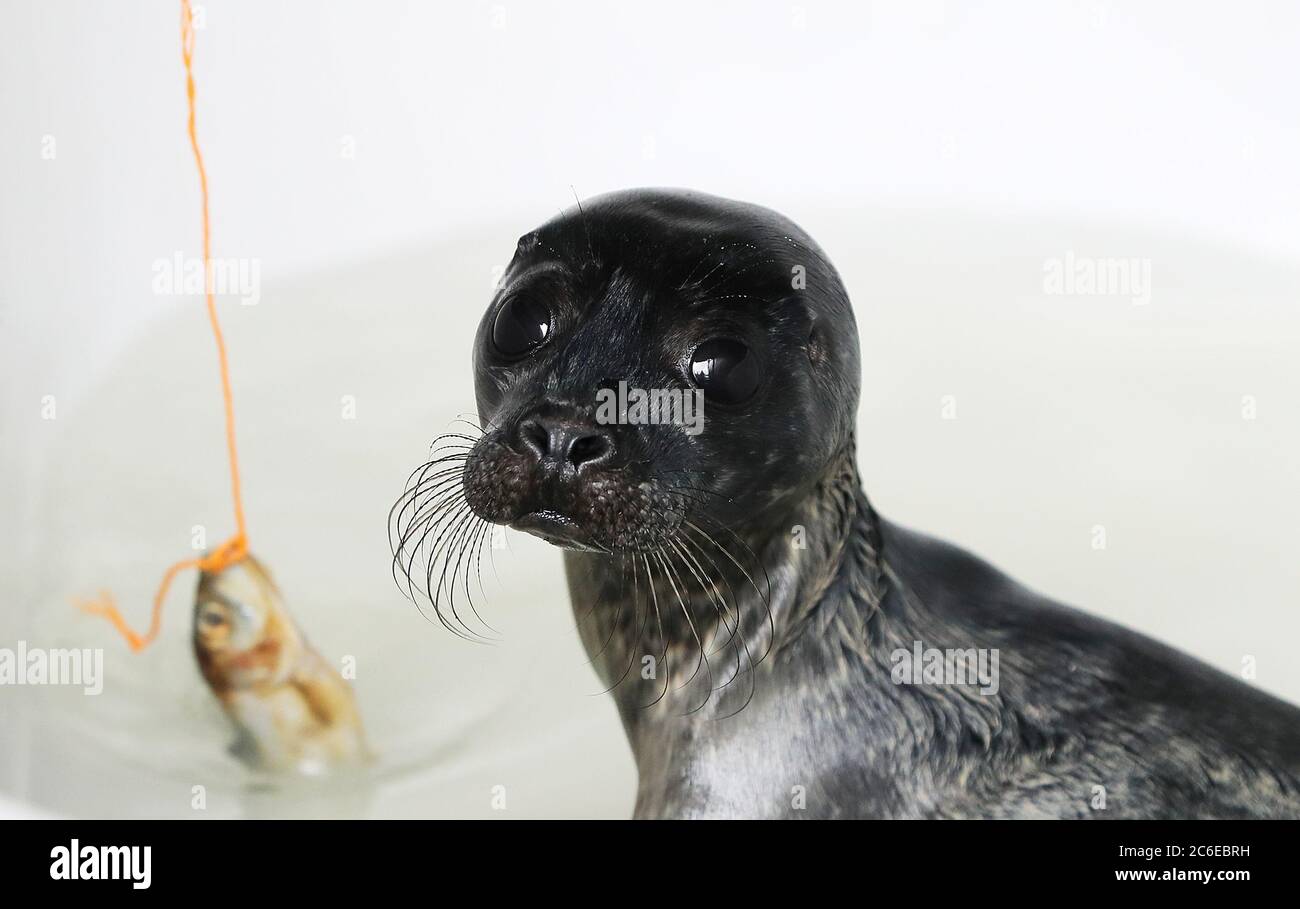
x=726 y=370
x=521 y=325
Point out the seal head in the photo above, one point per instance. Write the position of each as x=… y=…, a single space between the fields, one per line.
x=671 y=296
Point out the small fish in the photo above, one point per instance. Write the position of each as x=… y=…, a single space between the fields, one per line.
x=291 y=708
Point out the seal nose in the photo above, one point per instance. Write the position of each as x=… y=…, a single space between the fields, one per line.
x=561 y=441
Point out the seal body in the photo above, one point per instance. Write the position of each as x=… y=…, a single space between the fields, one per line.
x=1088 y=720
x=776 y=648
x=290 y=708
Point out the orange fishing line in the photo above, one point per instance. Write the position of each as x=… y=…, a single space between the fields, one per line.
x=234 y=549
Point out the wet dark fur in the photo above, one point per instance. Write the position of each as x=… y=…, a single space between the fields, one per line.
x=742 y=599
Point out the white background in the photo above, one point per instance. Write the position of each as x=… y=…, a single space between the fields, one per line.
x=1175 y=114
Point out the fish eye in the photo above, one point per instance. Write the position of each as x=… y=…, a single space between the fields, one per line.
x=521 y=325
x=726 y=370
x=212 y=617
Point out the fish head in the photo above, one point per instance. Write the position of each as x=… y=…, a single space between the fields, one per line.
x=234 y=608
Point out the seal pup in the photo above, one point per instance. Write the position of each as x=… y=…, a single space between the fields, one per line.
x=749 y=610
x=291 y=709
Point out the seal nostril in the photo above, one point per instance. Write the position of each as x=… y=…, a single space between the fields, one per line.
x=590 y=447
x=559 y=442
x=535 y=437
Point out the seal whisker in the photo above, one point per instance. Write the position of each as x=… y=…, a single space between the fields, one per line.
x=763 y=597
x=416 y=498
x=464 y=548
x=469 y=553
x=454 y=435
x=424 y=518
x=432 y=520
x=453 y=544
x=632 y=650
x=411 y=589
x=454 y=454
x=445 y=466
x=684 y=492
x=424 y=506
x=485 y=541
x=586 y=226
x=702 y=660
x=736 y=637
x=613 y=627
x=436 y=555
x=663 y=657
x=705 y=588
x=711 y=590
x=474 y=423
x=427 y=489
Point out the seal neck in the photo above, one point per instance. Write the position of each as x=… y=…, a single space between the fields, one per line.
x=832 y=554
x=694 y=627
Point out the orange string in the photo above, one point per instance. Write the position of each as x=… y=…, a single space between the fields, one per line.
x=234 y=549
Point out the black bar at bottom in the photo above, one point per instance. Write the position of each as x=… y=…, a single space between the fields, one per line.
x=333 y=857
